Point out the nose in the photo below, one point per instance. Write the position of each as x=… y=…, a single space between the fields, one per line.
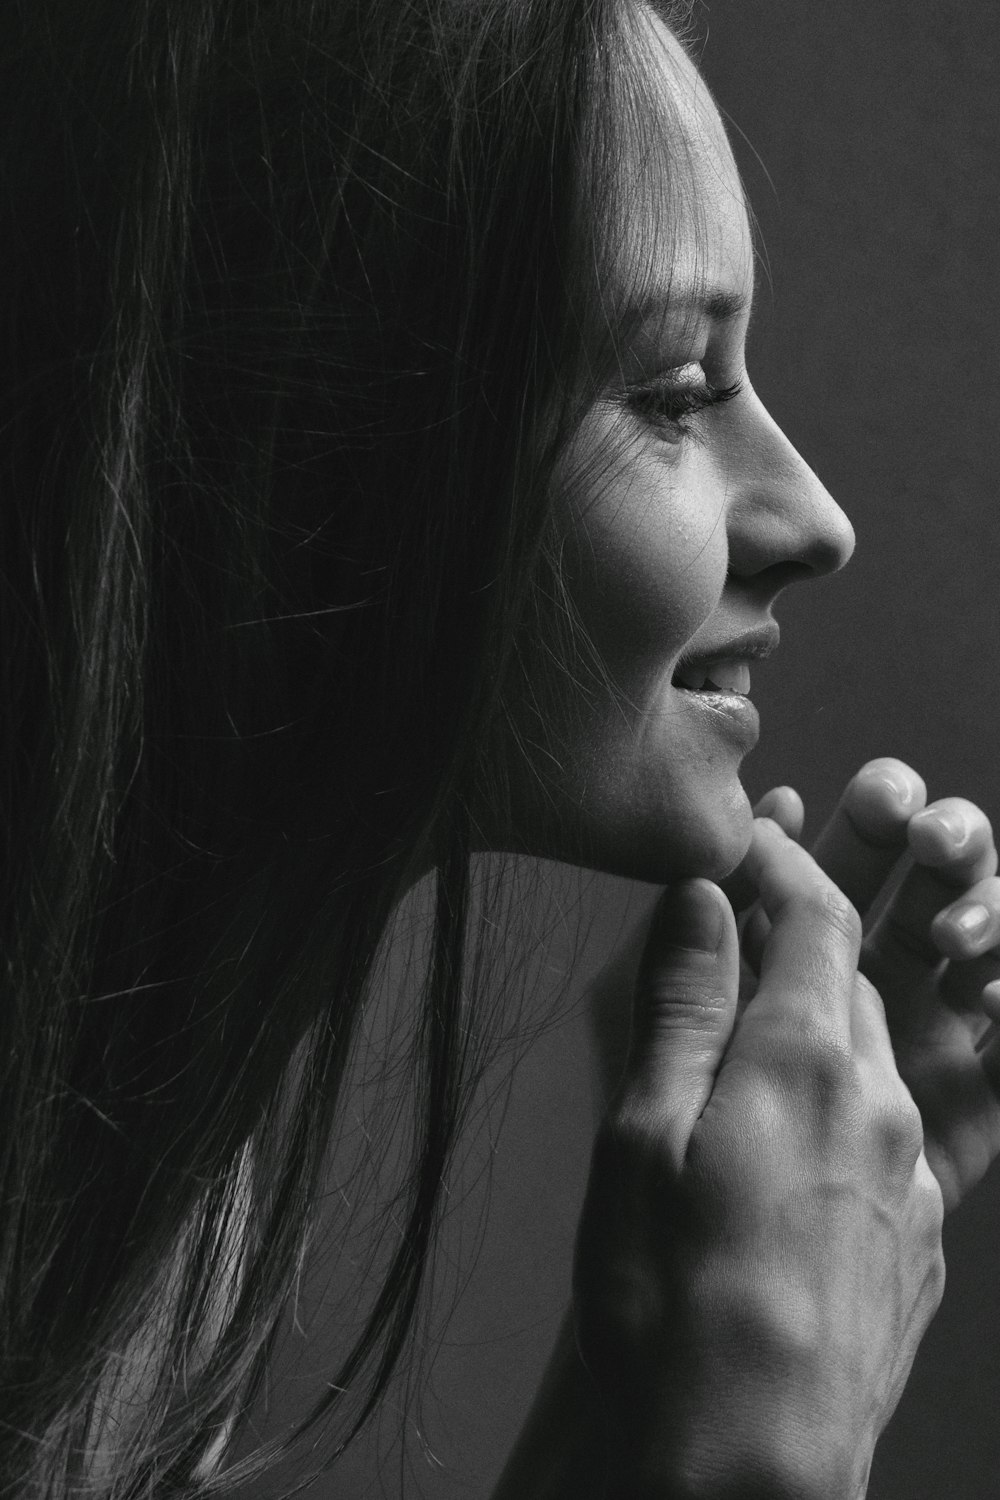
x=781 y=519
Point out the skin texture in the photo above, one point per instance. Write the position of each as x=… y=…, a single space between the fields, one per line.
x=759 y=1250
x=677 y=537
x=912 y=869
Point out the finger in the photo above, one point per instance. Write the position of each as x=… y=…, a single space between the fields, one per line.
x=862 y=841
x=783 y=805
x=990 y=999
x=955 y=838
x=969 y=926
x=968 y=933
x=964 y=988
x=989 y=1061
x=809 y=960
x=866 y=835
x=753 y=935
x=685 y=1006
x=952 y=845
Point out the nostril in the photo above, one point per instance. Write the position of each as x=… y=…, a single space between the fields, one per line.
x=774 y=577
x=827 y=536
x=786 y=524
x=829 y=553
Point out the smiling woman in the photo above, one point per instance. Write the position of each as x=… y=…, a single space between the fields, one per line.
x=681 y=512
x=384 y=483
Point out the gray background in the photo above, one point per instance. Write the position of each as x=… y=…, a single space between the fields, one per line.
x=879 y=129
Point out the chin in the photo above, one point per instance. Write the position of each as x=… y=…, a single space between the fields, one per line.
x=707 y=836
x=720 y=855
x=711 y=849
x=636 y=831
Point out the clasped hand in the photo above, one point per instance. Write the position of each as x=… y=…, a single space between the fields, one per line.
x=759 y=1250
x=923 y=878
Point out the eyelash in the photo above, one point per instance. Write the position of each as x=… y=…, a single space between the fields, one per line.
x=669 y=408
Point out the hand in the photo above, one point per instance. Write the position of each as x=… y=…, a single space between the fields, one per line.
x=759 y=1250
x=608 y=996
x=913 y=870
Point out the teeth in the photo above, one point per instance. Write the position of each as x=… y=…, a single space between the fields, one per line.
x=715 y=677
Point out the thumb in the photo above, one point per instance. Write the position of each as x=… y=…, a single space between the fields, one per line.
x=685 y=1005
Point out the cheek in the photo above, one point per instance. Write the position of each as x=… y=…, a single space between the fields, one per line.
x=649 y=560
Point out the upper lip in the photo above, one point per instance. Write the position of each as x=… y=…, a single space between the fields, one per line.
x=752 y=645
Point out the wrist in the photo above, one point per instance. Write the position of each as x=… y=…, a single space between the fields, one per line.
x=757 y=1476
x=561 y=1452
x=706 y=1448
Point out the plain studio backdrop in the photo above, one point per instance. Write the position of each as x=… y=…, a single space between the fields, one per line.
x=869 y=136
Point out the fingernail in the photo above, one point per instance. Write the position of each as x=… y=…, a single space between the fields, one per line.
x=991 y=997
x=690 y=916
x=971 y=921
x=903 y=791
x=952 y=823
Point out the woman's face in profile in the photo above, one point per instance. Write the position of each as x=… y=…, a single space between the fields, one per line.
x=681 y=522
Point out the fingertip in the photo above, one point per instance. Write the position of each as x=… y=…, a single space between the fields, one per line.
x=784 y=806
x=883 y=795
x=951 y=829
x=691 y=914
x=970 y=926
x=905 y=782
x=990 y=1000
x=949 y=938
x=766 y=843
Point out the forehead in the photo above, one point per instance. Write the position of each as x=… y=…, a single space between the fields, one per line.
x=686 y=229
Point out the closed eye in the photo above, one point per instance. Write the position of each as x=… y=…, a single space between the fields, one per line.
x=667 y=405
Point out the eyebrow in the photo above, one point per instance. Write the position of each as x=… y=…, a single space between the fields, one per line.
x=721 y=306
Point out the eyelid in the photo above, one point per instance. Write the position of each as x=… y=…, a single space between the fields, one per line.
x=691 y=367
x=668 y=405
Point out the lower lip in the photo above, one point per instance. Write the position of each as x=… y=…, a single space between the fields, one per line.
x=730 y=712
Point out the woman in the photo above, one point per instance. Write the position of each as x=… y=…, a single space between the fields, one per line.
x=384 y=483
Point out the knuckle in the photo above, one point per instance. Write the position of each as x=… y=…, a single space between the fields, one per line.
x=900 y=1135
x=935 y=1273
x=833 y=1069
x=867 y=994
x=830 y=908
x=933 y=1200
x=819 y=1062
x=936 y=1276
x=866 y=989
x=839 y=914
x=629 y=1129
x=935 y=1285
x=634 y=1141
x=684 y=1002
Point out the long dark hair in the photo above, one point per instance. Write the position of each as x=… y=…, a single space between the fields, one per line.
x=291 y=333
